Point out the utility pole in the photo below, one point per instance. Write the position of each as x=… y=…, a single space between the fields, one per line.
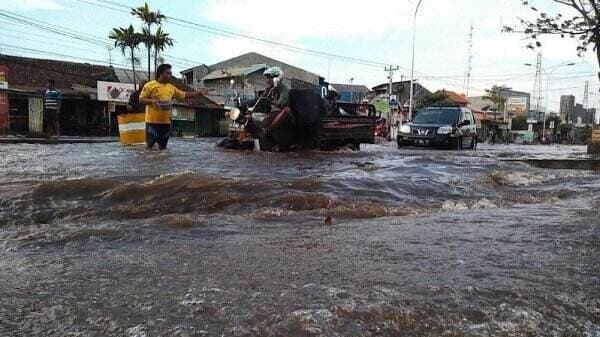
x=391 y=71
x=109 y=48
x=329 y=70
x=412 y=67
x=537 y=89
x=470 y=63
x=586 y=99
x=351 y=90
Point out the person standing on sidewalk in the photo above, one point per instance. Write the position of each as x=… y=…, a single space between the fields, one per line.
x=52 y=104
x=157 y=95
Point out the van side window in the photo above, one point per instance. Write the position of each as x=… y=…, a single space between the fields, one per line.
x=467 y=116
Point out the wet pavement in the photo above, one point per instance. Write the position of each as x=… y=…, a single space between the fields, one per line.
x=100 y=240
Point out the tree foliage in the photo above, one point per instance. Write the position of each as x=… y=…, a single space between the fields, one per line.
x=149 y=18
x=494 y=94
x=583 y=25
x=160 y=41
x=127 y=40
x=436 y=99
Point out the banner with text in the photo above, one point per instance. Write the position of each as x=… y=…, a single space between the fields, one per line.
x=114 y=92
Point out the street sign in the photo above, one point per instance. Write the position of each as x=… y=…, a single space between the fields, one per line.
x=551 y=124
x=532 y=121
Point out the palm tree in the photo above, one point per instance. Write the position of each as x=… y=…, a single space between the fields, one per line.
x=161 y=42
x=128 y=41
x=149 y=18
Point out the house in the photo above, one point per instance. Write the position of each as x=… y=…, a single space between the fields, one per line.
x=83 y=112
x=486 y=116
x=456 y=98
x=402 y=91
x=246 y=71
x=351 y=93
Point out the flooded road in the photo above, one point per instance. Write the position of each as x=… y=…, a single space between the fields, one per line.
x=99 y=240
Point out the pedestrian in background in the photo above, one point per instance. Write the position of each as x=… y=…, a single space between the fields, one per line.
x=52 y=105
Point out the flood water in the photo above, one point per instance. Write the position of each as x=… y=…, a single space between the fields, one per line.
x=100 y=240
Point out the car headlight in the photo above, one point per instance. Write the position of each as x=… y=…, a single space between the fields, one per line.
x=444 y=130
x=405 y=129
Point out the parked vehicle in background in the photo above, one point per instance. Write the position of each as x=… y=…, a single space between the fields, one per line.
x=445 y=126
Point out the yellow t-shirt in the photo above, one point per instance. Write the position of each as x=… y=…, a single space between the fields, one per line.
x=163 y=92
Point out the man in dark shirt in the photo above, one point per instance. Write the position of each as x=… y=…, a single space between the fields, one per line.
x=52 y=104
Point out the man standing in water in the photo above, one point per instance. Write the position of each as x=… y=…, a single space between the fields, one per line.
x=157 y=96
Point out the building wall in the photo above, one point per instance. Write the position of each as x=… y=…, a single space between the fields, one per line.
x=581 y=115
x=567 y=107
x=193 y=77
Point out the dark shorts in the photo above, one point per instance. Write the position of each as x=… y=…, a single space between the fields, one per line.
x=157 y=133
x=50 y=119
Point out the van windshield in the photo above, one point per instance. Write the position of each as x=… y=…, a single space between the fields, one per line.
x=437 y=116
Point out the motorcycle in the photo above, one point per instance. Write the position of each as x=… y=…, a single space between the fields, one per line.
x=245 y=129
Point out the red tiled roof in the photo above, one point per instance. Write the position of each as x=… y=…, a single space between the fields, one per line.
x=456 y=98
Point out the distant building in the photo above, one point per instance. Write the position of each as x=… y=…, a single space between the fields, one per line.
x=582 y=116
x=351 y=93
x=246 y=70
x=518 y=103
x=81 y=114
x=402 y=92
x=567 y=107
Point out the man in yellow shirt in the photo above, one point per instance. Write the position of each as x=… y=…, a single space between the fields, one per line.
x=158 y=96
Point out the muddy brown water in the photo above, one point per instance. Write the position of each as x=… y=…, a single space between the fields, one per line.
x=99 y=240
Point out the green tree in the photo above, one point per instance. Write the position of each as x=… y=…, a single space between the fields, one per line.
x=585 y=135
x=583 y=25
x=161 y=41
x=519 y=123
x=436 y=99
x=149 y=19
x=494 y=94
x=127 y=40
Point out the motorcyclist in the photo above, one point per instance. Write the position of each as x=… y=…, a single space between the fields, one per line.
x=280 y=121
x=332 y=98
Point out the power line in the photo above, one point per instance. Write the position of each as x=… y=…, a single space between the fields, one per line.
x=226 y=33
x=43 y=52
x=82 y=37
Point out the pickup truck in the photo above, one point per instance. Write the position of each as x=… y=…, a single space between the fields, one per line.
x=349 y=126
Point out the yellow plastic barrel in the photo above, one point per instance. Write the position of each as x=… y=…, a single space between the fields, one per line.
x=132 y=128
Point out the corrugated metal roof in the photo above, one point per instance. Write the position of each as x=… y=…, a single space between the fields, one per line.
x=126 y=75
x=233 y=72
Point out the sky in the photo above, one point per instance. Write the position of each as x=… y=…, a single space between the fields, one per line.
x=379 y=31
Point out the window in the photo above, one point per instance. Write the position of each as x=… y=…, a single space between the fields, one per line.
x=467 y=116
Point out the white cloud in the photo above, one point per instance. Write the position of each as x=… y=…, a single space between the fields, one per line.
x=309 y=18
x=25 y=5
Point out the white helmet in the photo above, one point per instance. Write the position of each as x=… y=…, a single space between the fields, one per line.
x=274 y=72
